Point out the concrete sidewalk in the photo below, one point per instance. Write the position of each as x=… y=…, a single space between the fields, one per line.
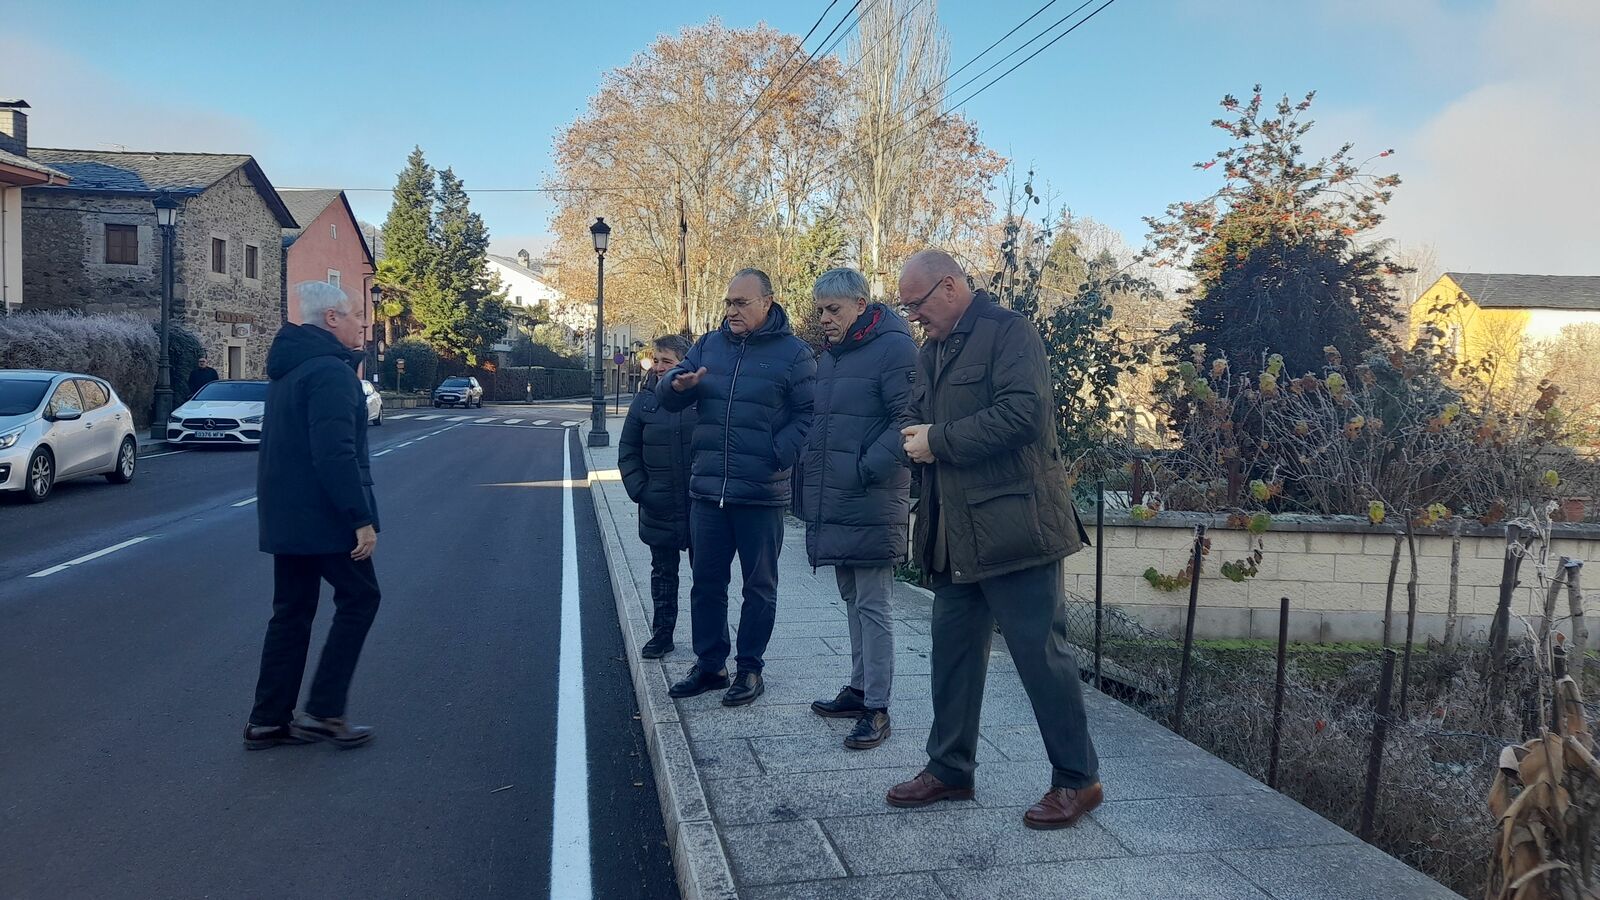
x=764 y=801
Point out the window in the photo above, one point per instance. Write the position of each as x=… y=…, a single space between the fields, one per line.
x=94 y=394
x=64 y=400
x=233 y=391
x=333 y=230
x=252 y=255
x=519 y=300
x=122 y=245
x=333 y=277
x=219 y=256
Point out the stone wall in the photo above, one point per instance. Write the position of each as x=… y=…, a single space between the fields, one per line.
x=1334 y=572
x=64 y=264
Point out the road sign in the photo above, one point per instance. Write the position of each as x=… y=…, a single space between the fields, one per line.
x=400 y=364
x=620 y=358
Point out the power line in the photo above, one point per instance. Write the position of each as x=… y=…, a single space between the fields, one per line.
x=998 y=62
x=570 y=188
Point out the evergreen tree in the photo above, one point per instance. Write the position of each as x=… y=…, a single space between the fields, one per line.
x=408 y=231
x=461 y=305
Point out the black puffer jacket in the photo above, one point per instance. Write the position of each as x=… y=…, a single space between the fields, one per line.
x=653 y=454
x=755 y=410
x=855 y=484
x=313 y=477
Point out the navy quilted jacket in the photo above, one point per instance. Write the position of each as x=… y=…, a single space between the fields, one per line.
x=755 y=409
x=855 y=484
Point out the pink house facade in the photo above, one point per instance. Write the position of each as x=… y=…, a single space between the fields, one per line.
x=328 y=246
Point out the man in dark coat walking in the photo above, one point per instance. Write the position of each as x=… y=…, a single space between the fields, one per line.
x=202 y=375
x=994 y=520
x=317 y=518
x=752 y=381
x=854 y=485
x=653 y=455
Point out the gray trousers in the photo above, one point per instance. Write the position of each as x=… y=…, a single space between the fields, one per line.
x=1030 y=608
x=866 y=591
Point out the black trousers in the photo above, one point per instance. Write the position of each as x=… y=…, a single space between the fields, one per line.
x=755 y=534
x=1030 y=608
x=664 y=588
x=296 y=586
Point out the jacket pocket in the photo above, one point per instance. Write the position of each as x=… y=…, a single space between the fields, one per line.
x=969 y=374
x=1005 y=522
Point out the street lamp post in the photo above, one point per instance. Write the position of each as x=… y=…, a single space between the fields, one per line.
x=167 y=219
x=372 y=333
x=598 y=437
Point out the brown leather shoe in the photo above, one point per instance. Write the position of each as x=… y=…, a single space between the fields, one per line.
x=923 y=790
x=1062 y=807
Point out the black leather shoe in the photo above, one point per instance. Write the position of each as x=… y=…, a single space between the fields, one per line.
x=658 y=646
x=265 y=737
x=871 y=730
x=337 y=732
x=747 y=686
x=698 y=682
x=849 y=704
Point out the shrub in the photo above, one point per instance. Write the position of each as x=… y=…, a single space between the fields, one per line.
x=121 y=349
x=422 y=364
x=548 y=384
x=184 y=351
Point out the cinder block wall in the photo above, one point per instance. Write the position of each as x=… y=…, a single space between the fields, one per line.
x=1333 y=570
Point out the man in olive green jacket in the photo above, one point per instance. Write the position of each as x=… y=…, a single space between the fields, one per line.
x=994 y=520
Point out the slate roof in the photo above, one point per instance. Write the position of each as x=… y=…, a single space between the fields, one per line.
x=100 y=171
x=1530 y=291
x=511 y=262
x=308 y=203
x=32 y=165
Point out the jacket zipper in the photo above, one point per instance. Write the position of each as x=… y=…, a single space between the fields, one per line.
x=822 y=482
x=727 y=421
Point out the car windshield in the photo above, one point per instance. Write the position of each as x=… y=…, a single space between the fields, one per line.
x=18 y=396
x=233 y=391
x=456 y=383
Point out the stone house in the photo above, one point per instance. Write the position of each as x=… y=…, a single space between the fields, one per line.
x=327 y=246
x=17 y=171
x=92 y=245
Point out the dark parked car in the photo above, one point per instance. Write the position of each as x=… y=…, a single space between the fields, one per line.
x=458 y=392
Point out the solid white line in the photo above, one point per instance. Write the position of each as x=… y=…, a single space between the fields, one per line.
x=569 y=838
x=570 y=424
x=382 y=452
x=428 y=418
x=167 y=453
x=512 y=421
x=245 y=502
x=112 y=549
x=542 y=422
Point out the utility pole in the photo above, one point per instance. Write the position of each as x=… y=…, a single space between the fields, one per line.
x=683 y=267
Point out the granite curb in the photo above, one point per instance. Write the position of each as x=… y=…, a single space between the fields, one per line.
x=698 y=857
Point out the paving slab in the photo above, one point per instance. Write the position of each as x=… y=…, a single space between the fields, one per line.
x=765 y=802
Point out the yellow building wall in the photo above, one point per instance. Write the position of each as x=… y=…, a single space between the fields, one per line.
x=1472 y=332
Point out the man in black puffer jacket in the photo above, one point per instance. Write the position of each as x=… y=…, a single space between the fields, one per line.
x=752 y=381
x=855 y=485
x=653 y=455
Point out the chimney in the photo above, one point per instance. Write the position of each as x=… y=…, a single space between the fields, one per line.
x=14 y=127
x=524 y=259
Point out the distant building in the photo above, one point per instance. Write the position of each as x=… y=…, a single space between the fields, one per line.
x=328 y=245
x=92 y=245
x=1483 y=315
x=17 y=171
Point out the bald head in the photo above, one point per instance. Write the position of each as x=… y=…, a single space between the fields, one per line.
x=934 y=291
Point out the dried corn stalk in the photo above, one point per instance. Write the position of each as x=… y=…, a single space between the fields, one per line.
x=1547 y=797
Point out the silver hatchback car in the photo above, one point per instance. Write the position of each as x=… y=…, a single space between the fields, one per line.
x=60 y=425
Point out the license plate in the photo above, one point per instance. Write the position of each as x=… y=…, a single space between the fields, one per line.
x=211 y=435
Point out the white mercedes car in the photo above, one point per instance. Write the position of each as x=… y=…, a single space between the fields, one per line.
x=60 y=425
x=222 y=412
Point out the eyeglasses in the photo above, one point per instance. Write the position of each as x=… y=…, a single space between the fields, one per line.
x=910 y=309
x=735 y=303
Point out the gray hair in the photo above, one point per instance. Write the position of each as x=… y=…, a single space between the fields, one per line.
x=841 y=284
x=316 y=298
x=678 y=344
x=758 y=275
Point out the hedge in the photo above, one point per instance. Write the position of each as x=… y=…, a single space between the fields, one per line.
x=511 y=383
x=422 y=365
x=121 y=349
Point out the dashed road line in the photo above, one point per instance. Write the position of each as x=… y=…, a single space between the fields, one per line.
x=382 y=452
x=166 y=453
x=459 y=418
x=542 y=422
x=485 y=420
x=570 y=424
x=512 y=421
x=42 y=573
x=402 y=446
x=245 y=502
x=428 y=418
x=404 y=416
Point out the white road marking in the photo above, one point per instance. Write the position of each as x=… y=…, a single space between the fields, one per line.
x=569 y=838
x=512 y=421
x=245 y=502
x=167 y=453
x=542 y=422
x=428 y=418
x=570 y=424
x=486 y=419
x=406 y=444
x=139 y=540
x=382 y=452
x=459 y=418
x=403 y=416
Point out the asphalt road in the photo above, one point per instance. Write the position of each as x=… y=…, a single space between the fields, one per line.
x=125 y=681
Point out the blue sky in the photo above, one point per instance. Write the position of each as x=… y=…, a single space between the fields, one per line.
x=1489 y=103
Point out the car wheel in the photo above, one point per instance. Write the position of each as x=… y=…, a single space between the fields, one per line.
x=127 y=462
x=379 y=419
x=41 y=476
